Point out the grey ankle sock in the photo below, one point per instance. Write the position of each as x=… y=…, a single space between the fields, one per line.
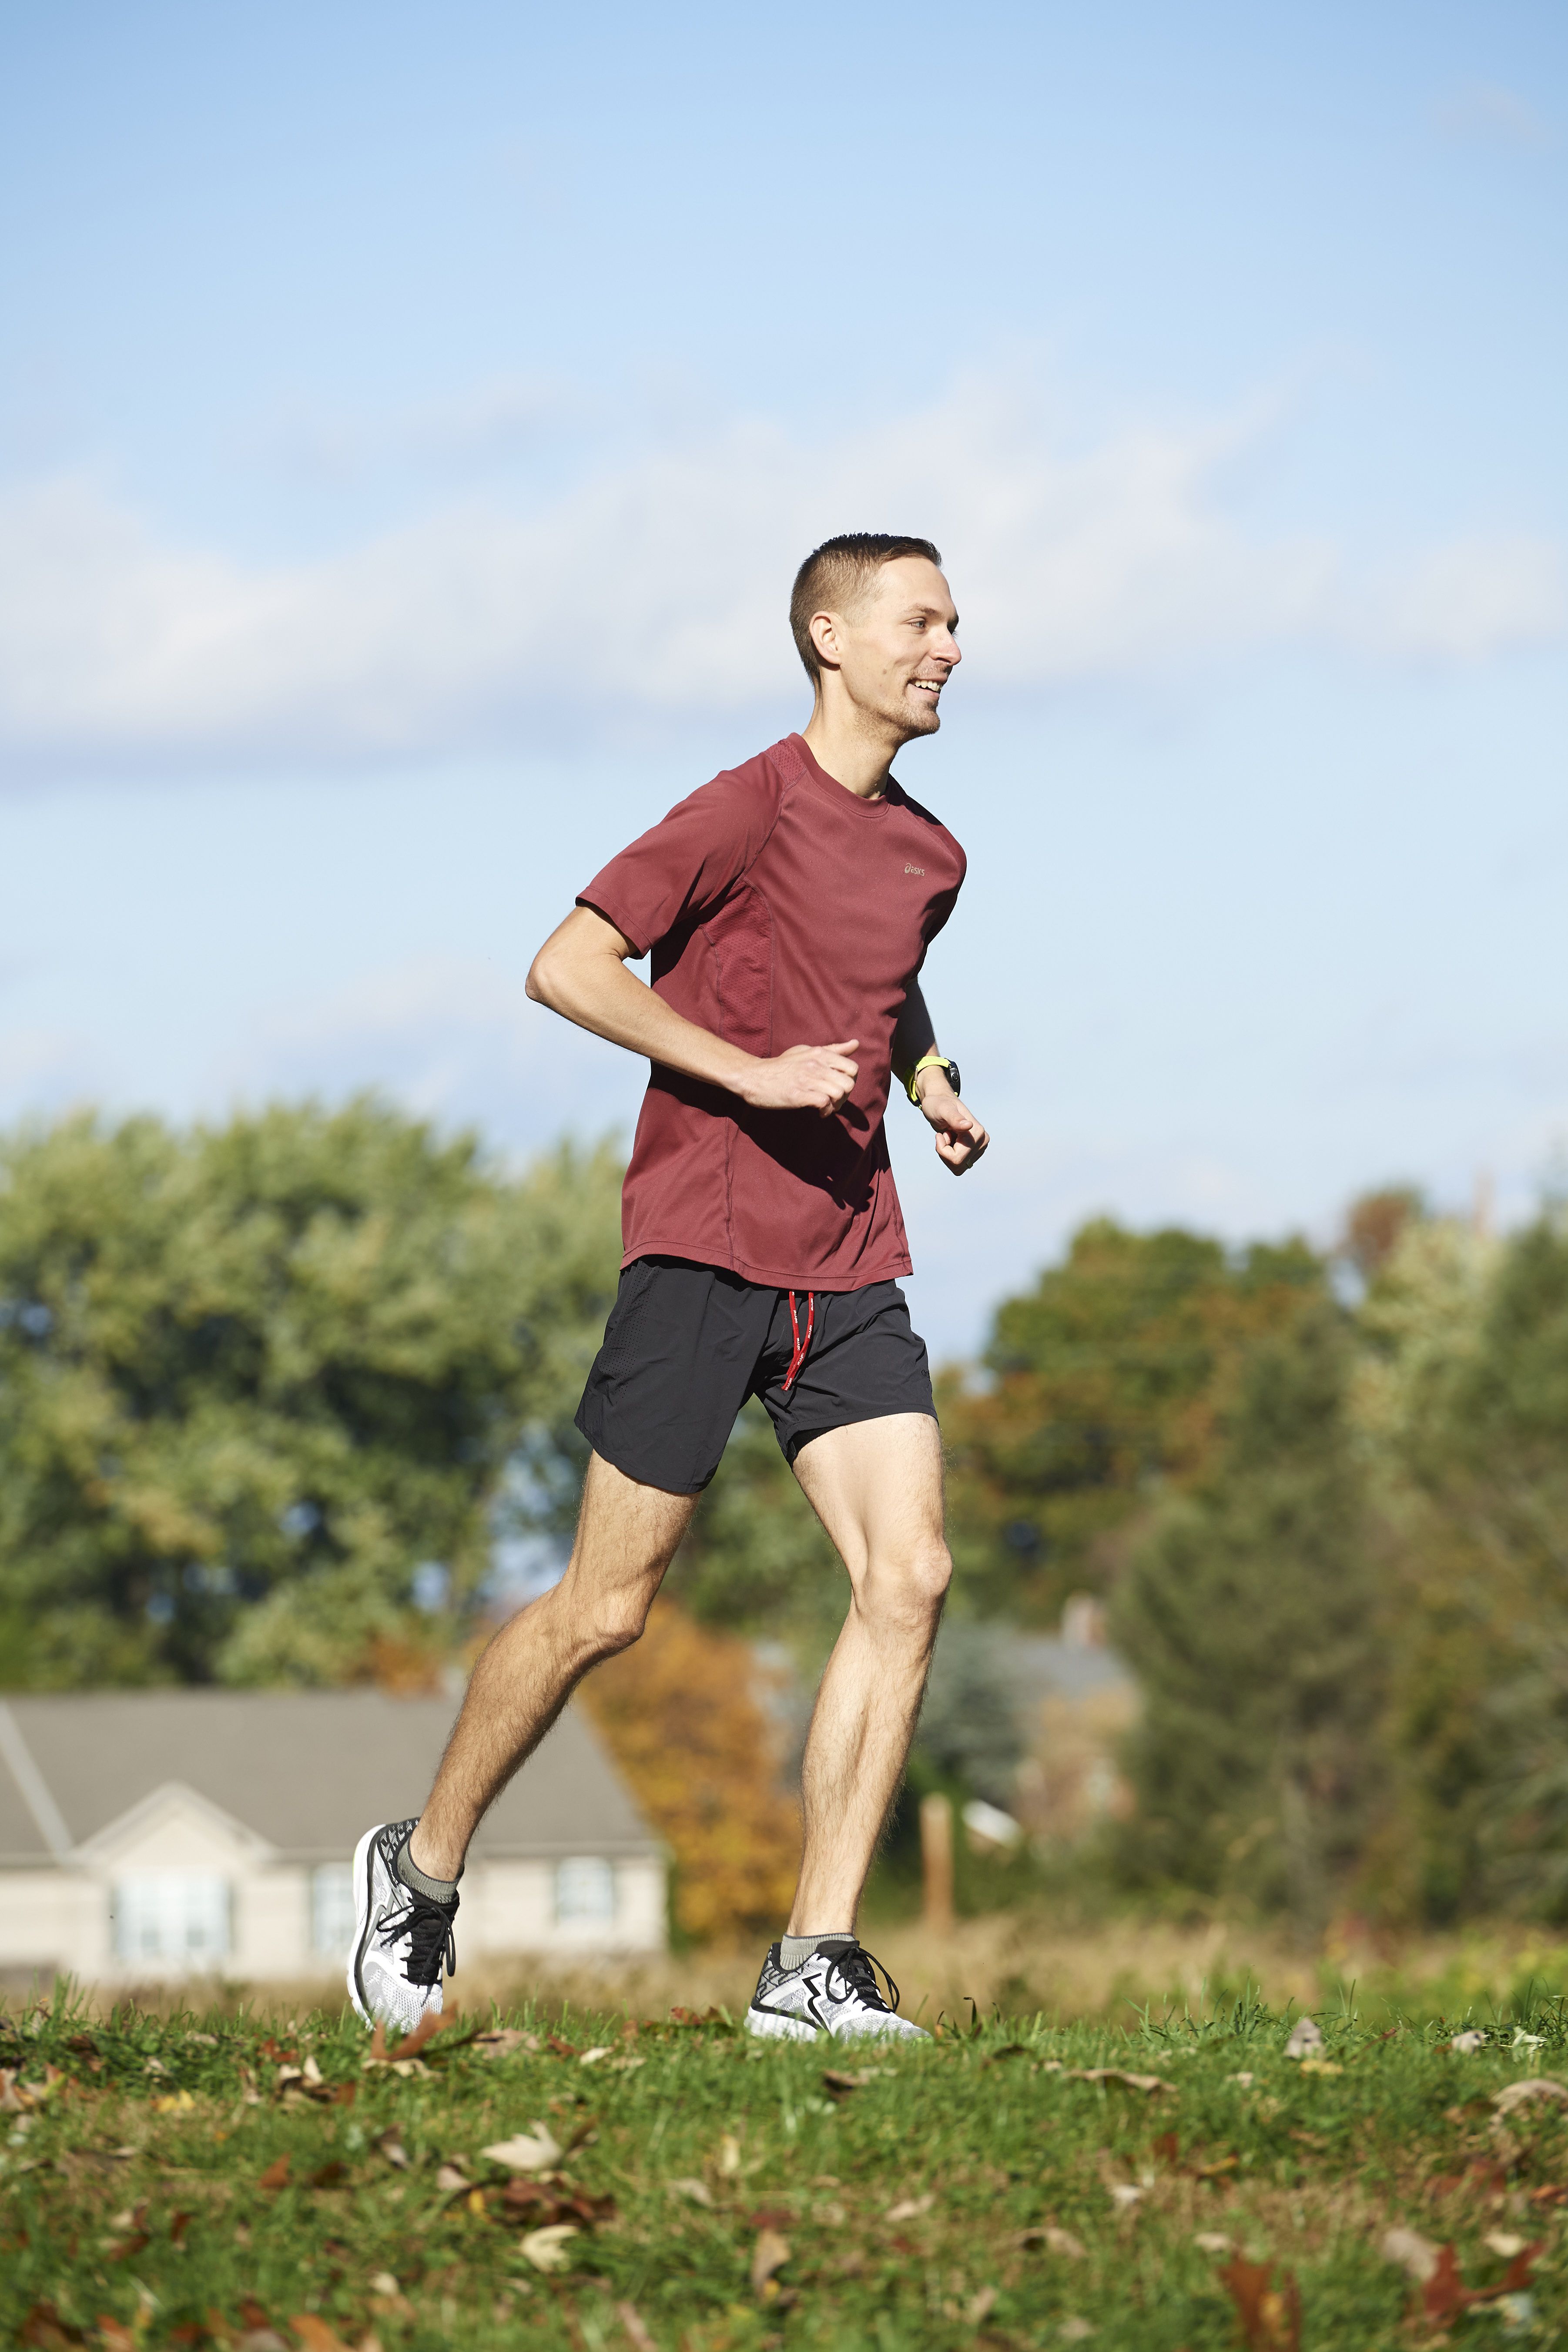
x=793 y=1950
x=439 y=1890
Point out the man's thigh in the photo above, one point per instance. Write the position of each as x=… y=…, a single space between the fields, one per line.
x=627 y=1530
x=877 y=1488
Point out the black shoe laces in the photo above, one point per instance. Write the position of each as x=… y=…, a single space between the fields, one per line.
x=857 y=1971
x=432 y=1945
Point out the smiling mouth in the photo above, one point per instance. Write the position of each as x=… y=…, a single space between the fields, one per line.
x=931 y=685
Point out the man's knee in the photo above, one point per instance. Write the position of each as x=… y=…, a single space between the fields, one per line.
x=617 y=1624
x=909 y=1589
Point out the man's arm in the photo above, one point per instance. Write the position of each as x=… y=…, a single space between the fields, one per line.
x=581 y=972
x=959 y=1137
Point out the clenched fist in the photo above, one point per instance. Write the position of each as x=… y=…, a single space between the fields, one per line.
x=808 y=1077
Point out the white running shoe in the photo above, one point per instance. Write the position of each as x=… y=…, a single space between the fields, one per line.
x=403 y=1938
x=834 y=1990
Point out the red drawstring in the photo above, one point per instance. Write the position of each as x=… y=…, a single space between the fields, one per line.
x=801 y=1345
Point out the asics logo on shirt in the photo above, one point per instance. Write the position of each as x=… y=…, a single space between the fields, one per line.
x=914 y=869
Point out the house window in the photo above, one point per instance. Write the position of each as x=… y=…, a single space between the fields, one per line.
x=584 y=1890
x=332 y=1910
x=173 y=1917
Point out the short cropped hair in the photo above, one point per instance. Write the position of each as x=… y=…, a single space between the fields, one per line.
x=836 y=576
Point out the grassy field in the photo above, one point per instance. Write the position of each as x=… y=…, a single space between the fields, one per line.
x=268 y=2184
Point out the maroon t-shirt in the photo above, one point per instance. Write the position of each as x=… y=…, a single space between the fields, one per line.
x=781 y=911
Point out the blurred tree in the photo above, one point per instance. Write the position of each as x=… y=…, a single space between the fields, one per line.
x=259 y=1385
x=1105 y=1383
x=1374 y=1223
x=1250 y=1613
x=684 y=1716
x=1465 y=1399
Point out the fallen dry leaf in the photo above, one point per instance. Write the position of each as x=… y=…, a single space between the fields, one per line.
x=276 y=2175
x=1126 y=2195
x=1416 y=2256
x=1213 y=2241
x=1506 y=2242
x=697 y=2191
x=1471 y=2040
x=392 y=2147
x=729 y=2153
x=1269 y=2317
x=769 y=2254
x=1524 y=2094
x=1320 y=2066
x=433 y=2023
x=631 y=2320
x=910 y=2209
x=535 y=2150
x=1055 y=2241
x=546 y=2248
x=315 y=2335
x=1147 y=2083
x=1306 y=2035
x=450 y=2179
x=116 y=2339
x=174 y=2102
x=592 y=2057
x=979 y=2308
x=503 y=2041
x=1445 y=2296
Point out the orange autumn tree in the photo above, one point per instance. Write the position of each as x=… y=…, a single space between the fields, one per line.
x=683 y=1718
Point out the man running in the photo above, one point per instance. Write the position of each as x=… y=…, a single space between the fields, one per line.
x=788 y=905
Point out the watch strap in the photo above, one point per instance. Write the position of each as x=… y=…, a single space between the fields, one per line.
x=927 y=1062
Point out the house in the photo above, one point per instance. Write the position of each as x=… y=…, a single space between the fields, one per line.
x=1079 y=1704
x=164 y=1833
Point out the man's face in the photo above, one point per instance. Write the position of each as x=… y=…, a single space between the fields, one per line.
x=899 y=650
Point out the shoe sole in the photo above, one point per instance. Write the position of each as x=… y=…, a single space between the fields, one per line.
x=364 y=1875
x=771 y=2025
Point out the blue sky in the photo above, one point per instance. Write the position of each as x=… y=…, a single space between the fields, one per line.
x=410 y=420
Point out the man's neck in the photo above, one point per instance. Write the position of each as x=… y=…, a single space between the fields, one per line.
x=857 y=761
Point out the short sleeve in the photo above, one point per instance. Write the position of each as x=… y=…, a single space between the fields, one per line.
x=679 y=870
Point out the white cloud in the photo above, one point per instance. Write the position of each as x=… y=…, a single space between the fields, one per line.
x=1463 y=600
x=1485 y=109
x=657 y=584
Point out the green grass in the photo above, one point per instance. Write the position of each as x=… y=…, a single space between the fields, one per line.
x=165 y=2183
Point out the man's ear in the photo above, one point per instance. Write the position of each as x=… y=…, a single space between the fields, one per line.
x=822 y=628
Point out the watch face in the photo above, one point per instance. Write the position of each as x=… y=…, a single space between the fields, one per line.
x=952 y=1077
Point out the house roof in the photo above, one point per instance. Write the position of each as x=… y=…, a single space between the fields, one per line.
x=1048 y=1667
x=308 y=1771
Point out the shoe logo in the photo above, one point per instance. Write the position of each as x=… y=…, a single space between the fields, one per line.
x=914 y=869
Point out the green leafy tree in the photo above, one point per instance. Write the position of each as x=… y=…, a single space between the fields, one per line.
x=1101 y=1390
x=260 y=1385
x=1251 y=1615
x=1463 y=1398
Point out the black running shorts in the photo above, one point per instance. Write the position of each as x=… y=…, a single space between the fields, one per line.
x=686 y=1346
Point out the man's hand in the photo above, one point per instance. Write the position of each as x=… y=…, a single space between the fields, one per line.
x=959 y=1137
x=808 y=1077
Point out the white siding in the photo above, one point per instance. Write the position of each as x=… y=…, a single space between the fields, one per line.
x=64 y=1917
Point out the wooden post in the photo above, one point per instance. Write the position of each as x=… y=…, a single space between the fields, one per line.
x=936 y=1860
